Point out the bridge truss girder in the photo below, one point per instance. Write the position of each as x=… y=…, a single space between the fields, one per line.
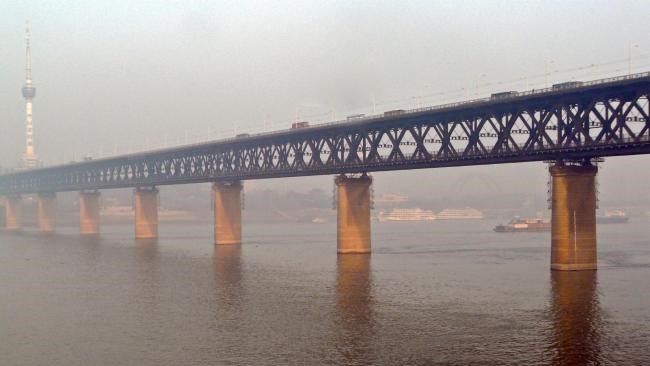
x=604 y=122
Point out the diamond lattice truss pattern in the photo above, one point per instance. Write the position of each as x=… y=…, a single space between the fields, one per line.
x=605 y=120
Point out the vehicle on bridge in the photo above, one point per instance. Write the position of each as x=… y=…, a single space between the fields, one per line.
x=240 y=135
x=302 y=124
x=394 y=112
x=503 y=95
x=355 y=117
x=567 y=85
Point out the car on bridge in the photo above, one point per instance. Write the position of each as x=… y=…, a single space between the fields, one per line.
x=503 y=95
x=303 y=124
x=355 y=117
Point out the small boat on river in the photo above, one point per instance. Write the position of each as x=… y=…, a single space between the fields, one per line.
x=524 y=225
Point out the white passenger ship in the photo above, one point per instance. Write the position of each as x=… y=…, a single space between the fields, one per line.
x=459 y=214
x=117 y=213
x=406 y=214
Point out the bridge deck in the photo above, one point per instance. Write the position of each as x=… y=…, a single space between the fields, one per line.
x=594 y=119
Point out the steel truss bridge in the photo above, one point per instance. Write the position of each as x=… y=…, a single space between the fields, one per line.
x=600 y=118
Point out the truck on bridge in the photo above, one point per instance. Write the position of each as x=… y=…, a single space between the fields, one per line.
x=567 y=85
x=394 y=112
x=503 y=95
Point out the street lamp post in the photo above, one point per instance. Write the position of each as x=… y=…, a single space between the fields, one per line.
x=629 y=57
x=478 y=79
x=547 y=64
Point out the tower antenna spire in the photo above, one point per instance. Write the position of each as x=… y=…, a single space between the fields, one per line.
x=30 y=160
x=28 y=53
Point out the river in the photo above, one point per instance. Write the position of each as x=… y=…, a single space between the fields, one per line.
x=431 y=293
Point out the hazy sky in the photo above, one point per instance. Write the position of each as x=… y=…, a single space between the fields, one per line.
x=117 y=75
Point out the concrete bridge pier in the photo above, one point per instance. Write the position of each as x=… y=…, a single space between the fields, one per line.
x=46 y=212
x=146 y=212
x=13 y=213
x=89 y=208
x=573 y=237
x=227 y=212
x=353 y=214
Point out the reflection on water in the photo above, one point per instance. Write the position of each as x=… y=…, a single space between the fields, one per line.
x=227 y=274
x=91 y=248
x=354 y=305
x=147 y=261
x=576 y=318
x=146 y=249
x=147 y=277
x=420 y=299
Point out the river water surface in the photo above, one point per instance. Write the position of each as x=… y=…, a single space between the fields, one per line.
x=431 y=293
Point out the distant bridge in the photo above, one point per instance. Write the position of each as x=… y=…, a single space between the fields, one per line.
x=569 y=122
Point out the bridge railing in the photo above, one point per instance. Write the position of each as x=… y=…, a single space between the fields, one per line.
x=443 y=106
x=471 y=101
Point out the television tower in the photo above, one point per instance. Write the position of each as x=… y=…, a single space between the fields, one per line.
x=30 y=160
